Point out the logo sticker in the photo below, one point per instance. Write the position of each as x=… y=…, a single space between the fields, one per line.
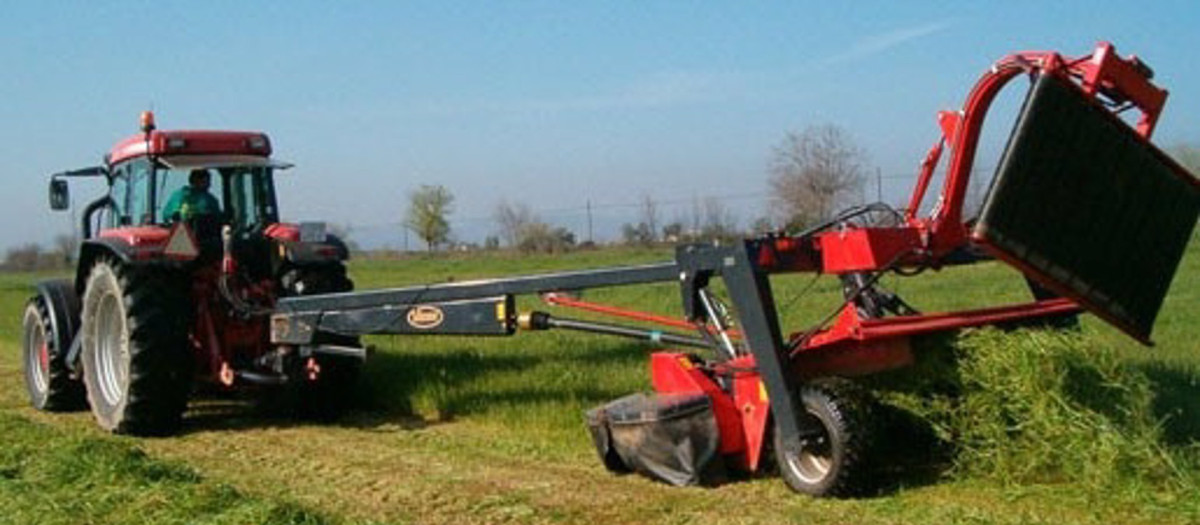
x=425 y=317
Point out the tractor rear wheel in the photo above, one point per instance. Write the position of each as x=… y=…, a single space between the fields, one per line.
x=47 y=377
x=136 y=361
x=834 y=462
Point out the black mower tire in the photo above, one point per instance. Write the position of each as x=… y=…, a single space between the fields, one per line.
x=331 y=393
x=137 y=363
x=47 y=378
x=836 y=463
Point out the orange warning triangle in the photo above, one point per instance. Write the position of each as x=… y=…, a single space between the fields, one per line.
x=181 y=245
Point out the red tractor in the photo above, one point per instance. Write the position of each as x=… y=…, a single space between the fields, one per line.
x=180 y=265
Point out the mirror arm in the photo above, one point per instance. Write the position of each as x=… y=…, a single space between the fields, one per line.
x=86 y=225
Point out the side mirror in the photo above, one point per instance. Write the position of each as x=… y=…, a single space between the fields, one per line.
x=60 y=196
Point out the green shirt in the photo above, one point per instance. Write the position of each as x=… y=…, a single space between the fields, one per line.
x=188 y=202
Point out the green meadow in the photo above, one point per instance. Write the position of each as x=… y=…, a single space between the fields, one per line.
x=1082 y=426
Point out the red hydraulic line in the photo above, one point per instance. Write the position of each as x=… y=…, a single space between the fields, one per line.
x=615 y=311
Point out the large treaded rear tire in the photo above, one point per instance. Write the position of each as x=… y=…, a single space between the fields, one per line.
x=835 y=463
x=137 y=365
x=47 y=378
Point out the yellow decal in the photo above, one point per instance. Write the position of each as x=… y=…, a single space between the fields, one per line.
x=425 y=317
x=685 y=363
x=762 y=391
x=501 y=312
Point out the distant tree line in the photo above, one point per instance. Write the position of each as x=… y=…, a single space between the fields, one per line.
x=812 y=175
x=707 y=219
x=34 y=257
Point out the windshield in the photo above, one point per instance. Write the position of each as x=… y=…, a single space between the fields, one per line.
x=243 y=195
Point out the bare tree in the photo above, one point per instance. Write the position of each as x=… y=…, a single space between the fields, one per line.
x=814 y=173
x=429 y=208
x=719 y=223
x=695 y=219
x=673 y=231
x=762 y=226
x=648 y=211
x=491 y=242
x=645 y=231
x=639 y=234
x=66 y=244
x=512 y=218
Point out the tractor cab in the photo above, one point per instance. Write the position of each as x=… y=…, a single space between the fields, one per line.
x=204 y=193
x=242 y=194
x=208 y=179
x=172 y=194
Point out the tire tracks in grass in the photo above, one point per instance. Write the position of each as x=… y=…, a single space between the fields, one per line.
x=373 y=467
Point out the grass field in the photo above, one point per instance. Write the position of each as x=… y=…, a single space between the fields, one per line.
x=478 y=430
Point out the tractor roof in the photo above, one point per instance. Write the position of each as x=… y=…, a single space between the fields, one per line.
x=192 y=143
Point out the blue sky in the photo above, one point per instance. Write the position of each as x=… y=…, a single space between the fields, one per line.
x=553 y=104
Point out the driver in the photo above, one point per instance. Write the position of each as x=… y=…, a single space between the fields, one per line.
x=192 y=200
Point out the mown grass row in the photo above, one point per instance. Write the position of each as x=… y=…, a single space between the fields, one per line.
x=49 y=476
x=55 y=475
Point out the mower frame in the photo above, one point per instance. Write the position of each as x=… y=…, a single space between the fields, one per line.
x=756 y=361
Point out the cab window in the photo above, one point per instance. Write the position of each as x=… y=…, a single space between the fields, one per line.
x=129 y=191
x=172 y=181
x=118 y=194
x=250 y=201
x=138 y=208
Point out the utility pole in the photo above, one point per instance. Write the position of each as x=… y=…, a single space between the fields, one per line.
x=589 y=217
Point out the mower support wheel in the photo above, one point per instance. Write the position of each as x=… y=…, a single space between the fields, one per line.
x=137 y=364
x=326 y=386
x=322 y=386
x=47 y=378
x=834 y=462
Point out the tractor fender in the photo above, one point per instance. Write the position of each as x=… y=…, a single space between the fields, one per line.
x=301 y=253
x=93 y=249
x=63 y=306
x=116 y=248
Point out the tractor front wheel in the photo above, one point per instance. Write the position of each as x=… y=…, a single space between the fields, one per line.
x=832 y=463
x=47 y=377
x=135 y=355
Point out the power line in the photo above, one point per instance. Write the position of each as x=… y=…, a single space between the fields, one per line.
x=589 y=207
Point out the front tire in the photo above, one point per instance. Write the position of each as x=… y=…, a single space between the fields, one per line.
x=834 y=462
x=47 y=378
x=135 y=355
